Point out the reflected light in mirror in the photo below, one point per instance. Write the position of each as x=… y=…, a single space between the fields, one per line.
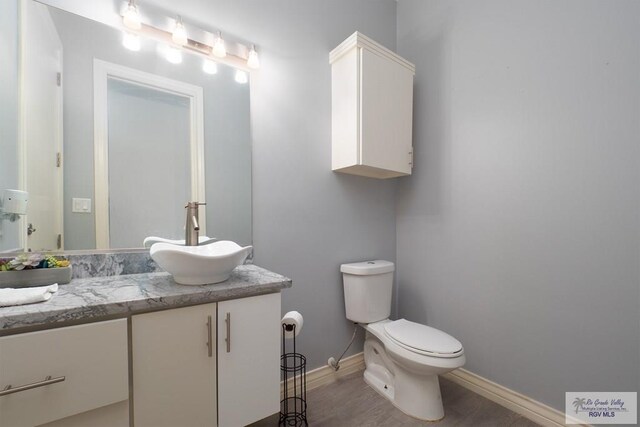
x=209 y=66
x=241 y=77
x=131 y=41
x=173 y=55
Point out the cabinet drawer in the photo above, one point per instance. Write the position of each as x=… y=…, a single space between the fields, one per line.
x=92 y=359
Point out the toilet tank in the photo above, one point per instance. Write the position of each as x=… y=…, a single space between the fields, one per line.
x=367 y=290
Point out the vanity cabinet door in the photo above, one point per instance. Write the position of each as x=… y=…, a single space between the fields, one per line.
x=386 y=90
x=248 y=359
x=174 y=367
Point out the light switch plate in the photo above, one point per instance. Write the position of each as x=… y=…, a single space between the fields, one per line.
x=80 y=205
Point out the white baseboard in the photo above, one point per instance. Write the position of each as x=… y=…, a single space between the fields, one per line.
x=326 y=375
x=518 y=403
x=512 y=400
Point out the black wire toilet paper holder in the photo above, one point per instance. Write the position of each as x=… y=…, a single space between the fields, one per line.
x=293 y=406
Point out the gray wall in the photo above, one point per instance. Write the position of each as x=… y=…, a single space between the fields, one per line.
x=519 y=232
x=307 y=220
x=8 y=113
x=226 y=127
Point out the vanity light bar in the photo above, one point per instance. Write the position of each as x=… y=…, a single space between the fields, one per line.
x=131 y=16
x=252 y=59
x=218 y=50
x=179 y=35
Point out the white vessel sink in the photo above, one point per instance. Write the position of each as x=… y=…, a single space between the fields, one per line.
x=151 y=240
x=200 y=265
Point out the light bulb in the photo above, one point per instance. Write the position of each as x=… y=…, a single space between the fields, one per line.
x=179 y=35
x=131 y=41
x=131 y=16
x=173 y=55
x=252 y=60
x=219 y=49
x=241 y=77
x=209 y=66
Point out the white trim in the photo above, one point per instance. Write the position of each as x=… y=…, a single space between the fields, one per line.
x=103 y=70
x=11 y=250
x=22 y=138
x=512 y=400
x=326 y=375
x=60 y=144
x=361 y=41
x=21 y=146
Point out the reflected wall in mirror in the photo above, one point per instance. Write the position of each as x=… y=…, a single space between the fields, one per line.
x=106 y=169
x=137 y=114
x=9 y=115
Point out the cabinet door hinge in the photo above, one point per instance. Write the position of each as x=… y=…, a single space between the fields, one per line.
x=59 y=79
x=58 y=160
x=411 y=158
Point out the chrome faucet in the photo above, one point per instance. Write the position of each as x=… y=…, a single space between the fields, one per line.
x=192 y=227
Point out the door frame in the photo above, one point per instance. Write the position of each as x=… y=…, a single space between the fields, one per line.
x=58 y=137
x=102 y=72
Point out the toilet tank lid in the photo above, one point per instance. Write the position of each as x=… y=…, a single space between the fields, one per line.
x=367 y=268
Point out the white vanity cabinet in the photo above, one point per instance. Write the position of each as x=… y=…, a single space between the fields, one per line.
x=175 y=353
x=248 y=359
x=372 y=107
x=174 y=367
x=64 y=373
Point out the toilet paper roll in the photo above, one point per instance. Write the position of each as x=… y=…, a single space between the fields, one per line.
x=15 y=202
x=292 y=318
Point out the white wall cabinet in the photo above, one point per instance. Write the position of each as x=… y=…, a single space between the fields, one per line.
x=87 y=366
x=248 y=359
x=372 y=107
x=174 y=367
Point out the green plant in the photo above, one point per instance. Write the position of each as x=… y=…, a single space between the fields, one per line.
x=30 y=261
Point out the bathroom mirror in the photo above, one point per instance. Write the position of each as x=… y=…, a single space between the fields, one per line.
x=111 y=139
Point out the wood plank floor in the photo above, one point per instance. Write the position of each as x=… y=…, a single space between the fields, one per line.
x=351 y=402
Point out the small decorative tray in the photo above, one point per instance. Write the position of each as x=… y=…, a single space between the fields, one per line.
x=35 y=277
x=32 y=269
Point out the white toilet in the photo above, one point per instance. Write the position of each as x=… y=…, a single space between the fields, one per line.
x=402 y=358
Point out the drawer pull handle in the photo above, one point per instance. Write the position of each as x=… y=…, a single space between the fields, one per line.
x=228 y=339
x=209 y=336
x=48 y=380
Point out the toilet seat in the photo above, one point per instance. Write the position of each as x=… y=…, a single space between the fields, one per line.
x=422 y=339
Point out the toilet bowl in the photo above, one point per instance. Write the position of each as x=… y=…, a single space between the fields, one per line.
x=402 y=358
x=407 y=375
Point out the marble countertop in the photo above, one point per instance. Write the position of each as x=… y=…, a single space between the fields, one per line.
x=108 y=297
